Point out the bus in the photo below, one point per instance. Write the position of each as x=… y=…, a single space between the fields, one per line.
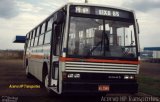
x=85 y=48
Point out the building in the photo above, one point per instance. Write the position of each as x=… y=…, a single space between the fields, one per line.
x=151 y=54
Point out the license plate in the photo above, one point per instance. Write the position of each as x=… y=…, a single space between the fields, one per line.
x=103 y=88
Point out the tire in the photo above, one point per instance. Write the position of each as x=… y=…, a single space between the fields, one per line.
x=45 y=83
x=50 y=92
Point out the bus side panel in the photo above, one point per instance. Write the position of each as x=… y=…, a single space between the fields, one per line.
x=37 y=69
x=36 y=63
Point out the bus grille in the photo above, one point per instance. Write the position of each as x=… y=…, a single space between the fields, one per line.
x=101 y=68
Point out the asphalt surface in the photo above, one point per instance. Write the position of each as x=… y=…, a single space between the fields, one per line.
x=12 y=73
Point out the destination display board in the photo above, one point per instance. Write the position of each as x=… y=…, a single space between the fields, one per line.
x=102 y=11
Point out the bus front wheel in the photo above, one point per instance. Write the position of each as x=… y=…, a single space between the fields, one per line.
x=50 y=92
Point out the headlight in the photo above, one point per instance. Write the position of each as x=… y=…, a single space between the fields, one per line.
x=76 y=75
x=129 y=77
x=126 y=77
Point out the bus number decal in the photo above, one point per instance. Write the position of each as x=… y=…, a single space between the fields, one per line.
x=116 y=13
x=104 y=12
x=108 y=13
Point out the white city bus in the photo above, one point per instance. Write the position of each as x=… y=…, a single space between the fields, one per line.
x=85 y=48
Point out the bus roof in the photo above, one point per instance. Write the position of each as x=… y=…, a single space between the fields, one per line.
x=100 y=5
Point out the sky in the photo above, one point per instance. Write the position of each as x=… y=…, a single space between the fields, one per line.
x=17 y=17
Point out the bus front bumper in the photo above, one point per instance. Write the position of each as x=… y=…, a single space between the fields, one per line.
x=93 y=87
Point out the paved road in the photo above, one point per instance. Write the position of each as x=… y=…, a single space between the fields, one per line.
x=13 y=73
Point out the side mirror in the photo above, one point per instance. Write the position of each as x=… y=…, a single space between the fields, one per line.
x=59 y=17
x=137 y=26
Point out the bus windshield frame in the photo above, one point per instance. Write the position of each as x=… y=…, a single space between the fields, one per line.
x=103 y=36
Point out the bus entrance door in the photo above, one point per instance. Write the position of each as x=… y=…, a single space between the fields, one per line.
x=54 y=69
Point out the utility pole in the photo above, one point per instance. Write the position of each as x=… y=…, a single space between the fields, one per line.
x=86 y=1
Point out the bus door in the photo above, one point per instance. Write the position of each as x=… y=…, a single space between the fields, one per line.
x=54 y=58
x=54 y=69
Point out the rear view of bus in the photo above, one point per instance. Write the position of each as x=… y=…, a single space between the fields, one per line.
x=100 y=50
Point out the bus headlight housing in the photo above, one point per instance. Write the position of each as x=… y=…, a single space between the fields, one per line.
x=129 y=77
x=126 y=77
x=76 y=75
x=132 y=77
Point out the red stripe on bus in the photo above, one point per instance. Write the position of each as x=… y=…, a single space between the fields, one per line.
x=37 y=56
x=63 y=59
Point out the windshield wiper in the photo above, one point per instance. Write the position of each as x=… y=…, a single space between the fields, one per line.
x=90 y=52
x=101 y=42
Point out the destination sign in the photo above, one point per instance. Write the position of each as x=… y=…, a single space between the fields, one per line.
x=107 y=12
x=103 y=11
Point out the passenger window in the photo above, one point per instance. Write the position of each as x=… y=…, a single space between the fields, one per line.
x=32 y=40
x=49 y=26
x=37 y=31
x=47 y=37
x=43 y=28
x=41 y=39
x=34 y=35
x=30 y=35
x=35 y=41
x=29 y=41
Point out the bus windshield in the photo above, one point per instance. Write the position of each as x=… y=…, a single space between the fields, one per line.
x=93 y=37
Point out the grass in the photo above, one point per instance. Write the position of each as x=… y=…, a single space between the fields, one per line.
x=149 y=85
